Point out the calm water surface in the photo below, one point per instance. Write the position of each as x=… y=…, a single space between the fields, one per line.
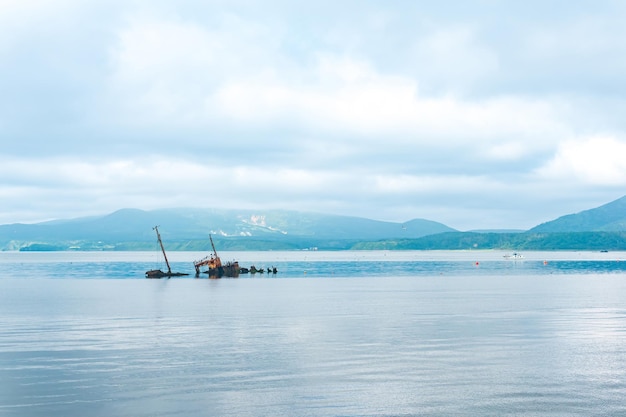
x=332 y=334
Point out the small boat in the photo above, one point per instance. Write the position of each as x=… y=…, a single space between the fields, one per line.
x=157 y=273
x=514 y=255
x=215 y=267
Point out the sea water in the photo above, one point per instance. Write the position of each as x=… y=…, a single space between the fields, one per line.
x=468 y=333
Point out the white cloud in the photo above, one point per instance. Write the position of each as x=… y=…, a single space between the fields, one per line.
x=352 y=97
x=66 y=187
x=509 y=150
x=597 y=160
x=165 y=68
x=404 y=185
x=157 y=70
x=179 y=74
x=357 y=107
x=453 y=58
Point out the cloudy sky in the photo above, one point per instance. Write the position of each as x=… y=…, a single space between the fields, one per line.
x=476 y=114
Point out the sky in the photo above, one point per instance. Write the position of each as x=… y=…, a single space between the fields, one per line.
x=476 y=114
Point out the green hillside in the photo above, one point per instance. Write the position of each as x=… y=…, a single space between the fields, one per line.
x=614 y=241
x=610 y=217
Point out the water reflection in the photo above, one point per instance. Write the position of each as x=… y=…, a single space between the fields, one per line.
x=417 y=337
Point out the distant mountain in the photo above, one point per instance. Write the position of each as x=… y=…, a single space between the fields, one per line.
x=610 y=217
x=602 y=228
x=132 y=229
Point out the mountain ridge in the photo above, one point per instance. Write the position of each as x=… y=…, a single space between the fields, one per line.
x=609 y=217
x=603 y=227
x=189 y=224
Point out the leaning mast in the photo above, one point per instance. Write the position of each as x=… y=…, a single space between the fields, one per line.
x=169 y=270
x=213 y=246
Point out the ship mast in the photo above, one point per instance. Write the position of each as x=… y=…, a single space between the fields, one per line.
x=213 y=246
x=169 y=270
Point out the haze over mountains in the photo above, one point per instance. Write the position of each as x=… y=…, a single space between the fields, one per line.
x=188 y=229
x=132 y=228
